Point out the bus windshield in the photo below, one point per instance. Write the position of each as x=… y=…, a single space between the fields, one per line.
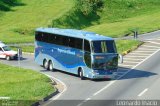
x=104 y=46
x=105 y=61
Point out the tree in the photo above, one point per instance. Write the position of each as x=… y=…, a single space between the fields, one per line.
x=89 y=6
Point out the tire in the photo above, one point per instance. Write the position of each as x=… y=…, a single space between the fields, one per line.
x=8 y=58
x=45 y=64
x=50 y=66
x=81 y=74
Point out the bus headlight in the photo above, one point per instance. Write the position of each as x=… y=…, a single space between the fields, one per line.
x=95 y=72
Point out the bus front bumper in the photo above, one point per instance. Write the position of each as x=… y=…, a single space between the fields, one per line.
x=104 y=76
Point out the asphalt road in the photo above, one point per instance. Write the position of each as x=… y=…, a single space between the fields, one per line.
x=139 y=82
x=95 y=93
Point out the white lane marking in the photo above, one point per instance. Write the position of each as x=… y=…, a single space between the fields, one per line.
x=147 y=49
x=136 y=56
x=130 y=62
x=145 y=90
x=132 y=59
x=151 y=46
x=88 y=99
x=84 y=101
x=125 y=65
x=112 y=82
x=142 y=54
x=153 y=42
x=80 y=104
x=4 y=98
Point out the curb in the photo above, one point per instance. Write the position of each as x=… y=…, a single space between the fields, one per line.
x=128 y=51
x=47 y=97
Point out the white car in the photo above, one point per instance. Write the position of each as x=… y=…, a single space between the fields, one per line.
x=6 y=52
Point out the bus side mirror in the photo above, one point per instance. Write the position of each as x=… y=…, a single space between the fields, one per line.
x=120 y=58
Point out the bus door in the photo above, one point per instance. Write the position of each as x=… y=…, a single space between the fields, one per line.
x=87 y=53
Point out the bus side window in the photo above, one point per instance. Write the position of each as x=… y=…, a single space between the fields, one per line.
x=45 y=37
x=87 y=46
x=59 y=40
x=52 y=38
x=38 y=36
x=75 y=43
x=65 y=41
x=78 y=43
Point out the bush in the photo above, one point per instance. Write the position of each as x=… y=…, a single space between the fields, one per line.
x=6 y=4
x=88 y=7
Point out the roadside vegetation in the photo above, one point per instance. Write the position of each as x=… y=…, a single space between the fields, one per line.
x=29 y=49
x=23 y=84
x=114 y=18
x=124 y=46
x=17 y=25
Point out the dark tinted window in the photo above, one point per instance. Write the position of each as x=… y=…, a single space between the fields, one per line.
x=38 y=36
x=104 y=46
x=78 y=43
x=52 y=38
x=65 y=41
x=59 y=40
x=75 y=43
x=87 y=46
x=72 y=42
x=111 y=46
x=45 y=37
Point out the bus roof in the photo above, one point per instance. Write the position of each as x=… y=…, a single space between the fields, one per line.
x=91 y=36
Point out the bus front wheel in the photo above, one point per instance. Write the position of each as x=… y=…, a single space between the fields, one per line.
x=80 y=72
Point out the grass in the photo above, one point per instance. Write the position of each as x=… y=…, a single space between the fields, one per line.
x=121 y=17
x=144 y=23
x=23 y=84
x=29 y=49
x=22 y=20
x=118 y=18
x=125 y=45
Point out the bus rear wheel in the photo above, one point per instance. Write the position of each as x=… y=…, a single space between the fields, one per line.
x=45 y=64
x=80 y=72
x=50 y=66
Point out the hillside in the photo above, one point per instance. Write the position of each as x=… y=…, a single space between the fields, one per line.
x=118 y=18
x=20 y=21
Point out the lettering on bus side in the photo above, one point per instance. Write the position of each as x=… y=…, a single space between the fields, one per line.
x=66 y=51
